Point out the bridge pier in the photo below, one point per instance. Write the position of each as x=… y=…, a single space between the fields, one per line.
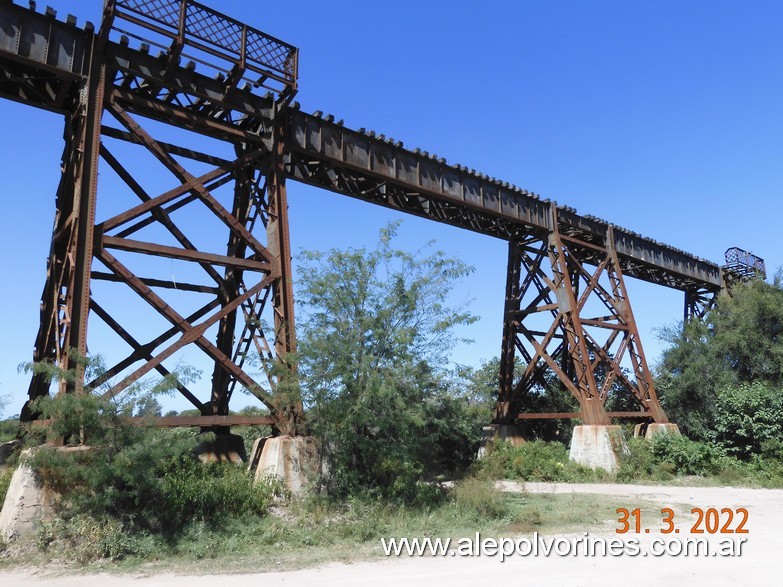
x=109 y=92
x=569 y=318
x=598 y=447
x=510 y=433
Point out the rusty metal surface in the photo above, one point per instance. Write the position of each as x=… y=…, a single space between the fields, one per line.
x=575 y=321
x=43 y=59
x=449 y=193
x=329 y=155
x=246 y=53
x=128 y=83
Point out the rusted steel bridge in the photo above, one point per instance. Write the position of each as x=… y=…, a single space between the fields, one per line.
x=185 y=65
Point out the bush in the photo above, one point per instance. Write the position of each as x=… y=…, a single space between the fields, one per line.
x=86 y=538
x=373 y=353
x=154 y=485
x=126 y=490
x=638 y=462
x=479 y=498
x=535 y=461
x=8 y=429
x=740 y=341
x=689 y=457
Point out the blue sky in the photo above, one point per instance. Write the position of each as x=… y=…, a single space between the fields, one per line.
x=660 y=116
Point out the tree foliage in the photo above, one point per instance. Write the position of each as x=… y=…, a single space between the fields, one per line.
x=739 y=342
x=373 y=350
x=749 y=419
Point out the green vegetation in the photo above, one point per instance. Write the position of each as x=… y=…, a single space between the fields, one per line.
x=312 y=531
x=665 y=459
x=123 y=483
x=5 y=481
x=8 y=429
x=535 y=461
x=482 y=384
x=373 y=347
x=715 y=360
x=395 y=420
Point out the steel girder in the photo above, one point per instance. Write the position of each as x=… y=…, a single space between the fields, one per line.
x=567 y=312
x=374 y=168
x=698 y=302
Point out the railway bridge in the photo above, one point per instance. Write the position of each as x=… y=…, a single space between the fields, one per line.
x=179 y=63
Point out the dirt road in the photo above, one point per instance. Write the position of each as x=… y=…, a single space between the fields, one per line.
x=760 y=562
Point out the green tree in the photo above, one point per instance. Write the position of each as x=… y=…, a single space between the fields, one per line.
x=374 y=349
x=148 y=407
x=740 y=341
x=748 y=418
x=9 y=427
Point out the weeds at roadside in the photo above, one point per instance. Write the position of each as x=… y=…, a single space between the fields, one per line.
x=312 y=530
x=667 y=459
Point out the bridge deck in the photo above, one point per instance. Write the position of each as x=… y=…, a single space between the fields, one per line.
x=359 y=164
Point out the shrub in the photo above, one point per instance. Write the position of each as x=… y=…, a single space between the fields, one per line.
x=9 y=429
x=535 y=461
x=154 y=485
x=689 y=457
x=373 y=353
x=86 y=538
x=638 y=462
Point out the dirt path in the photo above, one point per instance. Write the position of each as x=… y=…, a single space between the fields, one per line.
x=759 y=563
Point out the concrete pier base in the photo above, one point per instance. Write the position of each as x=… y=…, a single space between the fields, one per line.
x=26 y=502
x=649 y=431
x=495 y=432
x=598 y=447
x=655 y=429
x=294 y=459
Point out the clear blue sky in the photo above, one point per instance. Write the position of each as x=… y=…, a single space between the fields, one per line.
x=661 y=116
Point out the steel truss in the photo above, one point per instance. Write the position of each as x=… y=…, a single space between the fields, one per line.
x=248 y=280
x=567 y=312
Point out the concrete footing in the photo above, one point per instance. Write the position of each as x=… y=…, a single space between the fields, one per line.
x=506 y=432
x=26 y=502
x=598 y=447
x=294 y=459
